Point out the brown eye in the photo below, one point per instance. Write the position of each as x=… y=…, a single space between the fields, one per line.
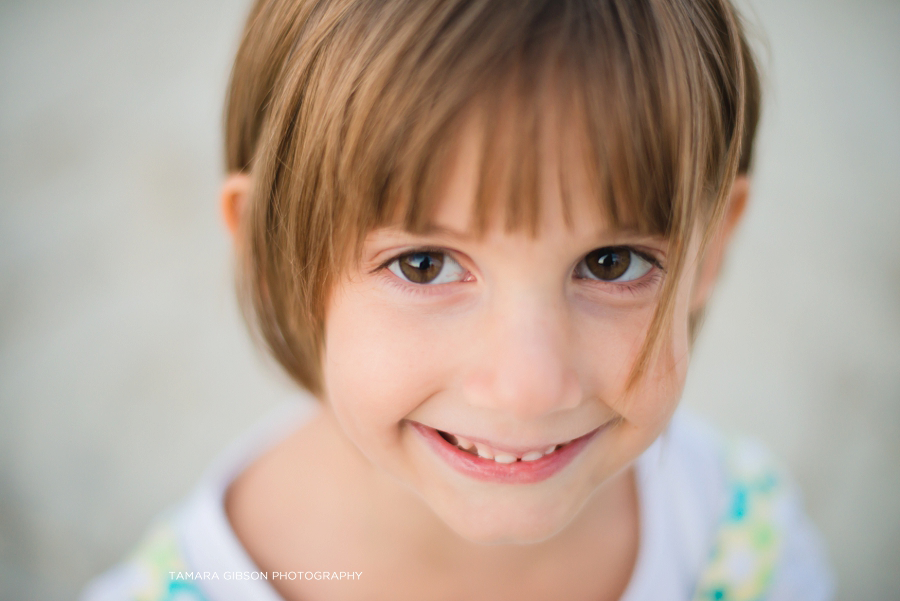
x=613 y=263
x=421 y=268
x=427 y=267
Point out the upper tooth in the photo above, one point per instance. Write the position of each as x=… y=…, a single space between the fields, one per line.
x=464 y=443
x=484 y=451
x=504 y=458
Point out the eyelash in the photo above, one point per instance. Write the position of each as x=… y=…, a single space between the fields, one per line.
x=633 y=287
x=410 y=287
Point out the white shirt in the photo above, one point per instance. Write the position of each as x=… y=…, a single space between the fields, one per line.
x=685 y=486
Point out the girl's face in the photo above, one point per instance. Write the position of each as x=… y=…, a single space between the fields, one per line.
x=489 y=374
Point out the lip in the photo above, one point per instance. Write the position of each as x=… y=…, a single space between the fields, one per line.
x=520 y=472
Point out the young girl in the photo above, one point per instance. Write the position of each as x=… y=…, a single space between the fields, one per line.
x=481 y=233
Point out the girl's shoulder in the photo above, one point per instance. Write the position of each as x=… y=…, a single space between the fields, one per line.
x=157 y=570
x=736 y=513
x=191 y=553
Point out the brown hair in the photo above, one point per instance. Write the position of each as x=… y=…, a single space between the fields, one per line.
x=345 y=111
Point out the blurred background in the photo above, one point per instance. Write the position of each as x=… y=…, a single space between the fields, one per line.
x=124 y=366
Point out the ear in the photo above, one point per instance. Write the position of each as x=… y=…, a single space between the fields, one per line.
x=715 y=252
x=235 y=192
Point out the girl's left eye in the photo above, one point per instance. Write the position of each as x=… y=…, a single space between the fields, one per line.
x=613 y=264
x=427 y=267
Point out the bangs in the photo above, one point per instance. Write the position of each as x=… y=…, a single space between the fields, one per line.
x=569 y=77
x=606 y=80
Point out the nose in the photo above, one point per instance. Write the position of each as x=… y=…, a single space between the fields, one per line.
x=521 y=362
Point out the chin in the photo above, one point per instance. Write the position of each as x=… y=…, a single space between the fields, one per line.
x=506 y=521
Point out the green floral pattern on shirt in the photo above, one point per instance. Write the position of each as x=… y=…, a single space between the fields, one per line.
x=158 y=557
x=749 y=537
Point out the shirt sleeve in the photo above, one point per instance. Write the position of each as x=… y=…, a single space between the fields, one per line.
x=766 y=547
x=803 y=572
x=154 y=572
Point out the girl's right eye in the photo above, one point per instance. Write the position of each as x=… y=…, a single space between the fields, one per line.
x=427 y=267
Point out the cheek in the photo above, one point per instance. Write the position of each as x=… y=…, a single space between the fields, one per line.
x=610 y=347
x=380 y=363
x=656 y=396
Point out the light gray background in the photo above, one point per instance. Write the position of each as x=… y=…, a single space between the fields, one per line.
x=124 y=366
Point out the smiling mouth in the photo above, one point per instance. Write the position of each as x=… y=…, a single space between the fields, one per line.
x=485 y=451
x=484 y=462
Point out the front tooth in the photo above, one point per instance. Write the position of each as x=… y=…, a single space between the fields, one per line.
x=464 y=443
x=484 y=451
x=532 y=456
x=550 y=449
x=504 y=458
